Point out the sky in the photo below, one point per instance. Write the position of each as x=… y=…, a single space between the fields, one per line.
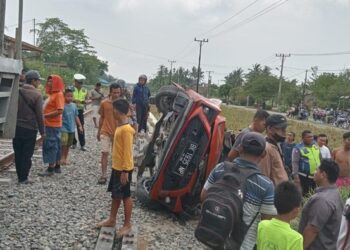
x=137 y=36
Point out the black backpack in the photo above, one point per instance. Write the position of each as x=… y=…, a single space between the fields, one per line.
x=221 y=223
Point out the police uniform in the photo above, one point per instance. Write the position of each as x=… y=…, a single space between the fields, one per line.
x=80 y=95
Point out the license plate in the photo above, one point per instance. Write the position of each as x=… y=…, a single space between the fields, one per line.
x=185 y=158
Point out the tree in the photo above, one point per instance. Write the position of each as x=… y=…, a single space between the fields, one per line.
x=235 y=80
x=63 y=45
x=224 y=91
x=327 y=88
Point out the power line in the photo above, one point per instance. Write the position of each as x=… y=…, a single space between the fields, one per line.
x=16 y=24
x=252 y=18
x=320 y=70
x=184 y=49
x=215 y=27
x=228 y=19
x=322 y=54
x=130 y=50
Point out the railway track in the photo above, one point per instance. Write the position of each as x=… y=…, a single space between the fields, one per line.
x=7 y=154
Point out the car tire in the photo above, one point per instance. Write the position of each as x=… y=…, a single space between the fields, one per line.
x=142 y=193
x=164 y=99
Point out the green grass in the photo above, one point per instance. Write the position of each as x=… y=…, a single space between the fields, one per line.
x=238 y=118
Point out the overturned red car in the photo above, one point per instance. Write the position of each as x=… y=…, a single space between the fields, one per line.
x=186 y=144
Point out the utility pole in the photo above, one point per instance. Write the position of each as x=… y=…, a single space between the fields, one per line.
x=34 y=32
x=304 y=86
x=199 y=60
x=209 y=81
x=2 y=25
x=171 y=68
x=19 y=31
x=283 y=56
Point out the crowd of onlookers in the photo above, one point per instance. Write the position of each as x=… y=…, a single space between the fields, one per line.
x=59 y=117
x=289 y=171
x=282 y=171
x=335 y=117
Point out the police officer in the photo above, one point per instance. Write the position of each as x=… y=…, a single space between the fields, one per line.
x=306 y=158
x=80 y=95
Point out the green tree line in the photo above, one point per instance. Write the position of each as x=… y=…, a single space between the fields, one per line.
x=259 y=85
x=66 y=51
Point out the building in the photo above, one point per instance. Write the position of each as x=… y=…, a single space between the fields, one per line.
x=10 y=47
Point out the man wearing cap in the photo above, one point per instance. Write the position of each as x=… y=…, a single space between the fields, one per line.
x=272 y=164
x=29 y=121
x=140 y=97
x=259 y=188
x=306 y=158
x=79 y=98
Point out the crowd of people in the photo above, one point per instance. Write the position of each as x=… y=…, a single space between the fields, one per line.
x=283 y=171
x=117 y=118
x=289 y=171
x=335 y=117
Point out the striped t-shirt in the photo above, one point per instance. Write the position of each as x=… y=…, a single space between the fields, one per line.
x=258 y=198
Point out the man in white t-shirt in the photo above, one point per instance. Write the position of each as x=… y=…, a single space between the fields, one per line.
x=322 y=142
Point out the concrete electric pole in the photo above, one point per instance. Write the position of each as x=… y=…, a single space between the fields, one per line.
x=283 y=56
x=171 y=68
x=2 y=25
x=209 y=81
x=304 y=86
x=199 y=60
x=34 y=32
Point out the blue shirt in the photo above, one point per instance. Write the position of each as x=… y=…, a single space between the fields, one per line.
x=69 y=113
x=257 y=199
x=287 y=150
x=141 y=95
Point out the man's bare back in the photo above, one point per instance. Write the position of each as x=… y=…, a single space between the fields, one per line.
x=342 y=157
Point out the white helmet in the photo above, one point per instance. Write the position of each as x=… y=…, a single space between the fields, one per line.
x=79 y=77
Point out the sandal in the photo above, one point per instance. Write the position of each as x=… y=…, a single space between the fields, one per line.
x=102 y=180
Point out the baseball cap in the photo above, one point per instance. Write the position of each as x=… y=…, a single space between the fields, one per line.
x=253 y=143
x=79 y=78
x=32 y=75
x=276 y=121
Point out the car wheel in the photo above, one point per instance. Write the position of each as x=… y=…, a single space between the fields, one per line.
x=165 y=98
x=142 y=193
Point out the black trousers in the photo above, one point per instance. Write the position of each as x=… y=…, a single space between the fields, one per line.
x=307 y=184
x=23 y=145
x=141 y=116
x=81 y=136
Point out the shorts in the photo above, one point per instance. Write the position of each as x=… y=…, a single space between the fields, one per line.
x=343 y=182
x=67 y=139
x=95 y=109
x=115 y=187
x=106 y=144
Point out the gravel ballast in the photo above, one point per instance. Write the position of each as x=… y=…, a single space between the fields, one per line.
x=61 y=211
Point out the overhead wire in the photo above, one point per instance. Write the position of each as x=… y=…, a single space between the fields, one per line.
x=230 y=18
x=216 y=26
x=253 y=17
x=130 y=50
x=322 y=54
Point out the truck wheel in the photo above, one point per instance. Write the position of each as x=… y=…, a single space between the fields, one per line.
x=165 y=98
x=142 y=193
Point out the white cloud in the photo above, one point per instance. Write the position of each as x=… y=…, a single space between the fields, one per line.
x=122 y=5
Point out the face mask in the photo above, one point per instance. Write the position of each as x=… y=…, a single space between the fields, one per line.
x=279 y=138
